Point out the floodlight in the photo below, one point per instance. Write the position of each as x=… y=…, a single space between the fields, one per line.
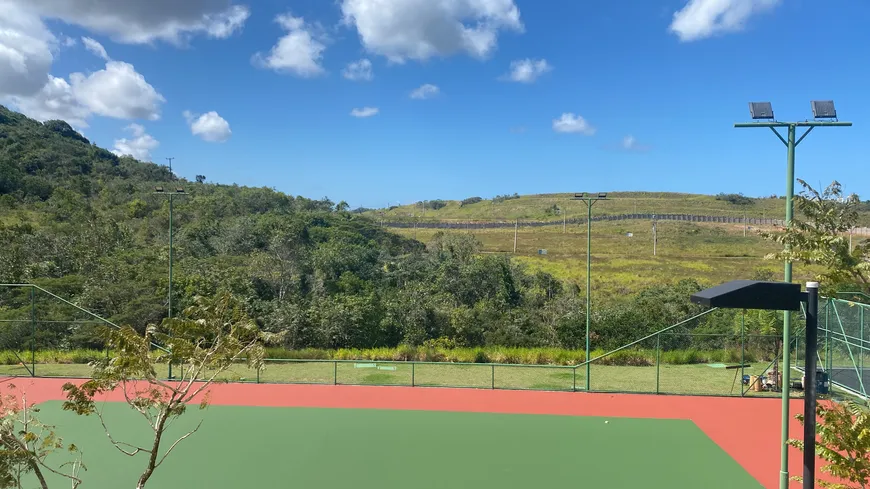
x=751 y=294
x=581 y=195
x=761 y=110
x=158 y=189
x=179 y=190
x=602 y=195
x=824 y=109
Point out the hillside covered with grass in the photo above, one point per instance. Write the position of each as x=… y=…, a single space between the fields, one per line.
x=553 y=207
x=88 y=226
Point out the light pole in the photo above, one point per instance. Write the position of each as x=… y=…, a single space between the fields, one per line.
x=589 y=200
x=180 y=192
x=762 y=113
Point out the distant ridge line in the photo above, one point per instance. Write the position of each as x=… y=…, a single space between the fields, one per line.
x=509 y=223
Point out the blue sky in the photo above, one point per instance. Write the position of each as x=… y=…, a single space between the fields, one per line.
x=646 y=91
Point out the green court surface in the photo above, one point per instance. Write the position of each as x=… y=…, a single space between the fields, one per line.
x=262 y=447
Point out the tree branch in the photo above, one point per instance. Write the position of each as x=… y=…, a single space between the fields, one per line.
x=176 y=443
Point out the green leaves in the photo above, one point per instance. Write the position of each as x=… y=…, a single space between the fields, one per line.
x=820 y=236
x=843 y=430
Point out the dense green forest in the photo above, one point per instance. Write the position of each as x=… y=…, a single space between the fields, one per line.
x=88 y=225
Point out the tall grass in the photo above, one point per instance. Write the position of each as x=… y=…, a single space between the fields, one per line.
x=500 y=355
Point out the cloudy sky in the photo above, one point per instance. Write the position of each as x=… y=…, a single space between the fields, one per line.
x=393 y=101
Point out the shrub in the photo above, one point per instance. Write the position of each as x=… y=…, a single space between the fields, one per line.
x=501 y=198
x=469 y=201
x=736 y=199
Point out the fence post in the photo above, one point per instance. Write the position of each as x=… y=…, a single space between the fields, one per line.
x=828 y=360
x=658 y=359
x=412 y=372
x=574 y=379
x=334 y=372
x=862 y=342
x=32 y=331
x=493 y=376
x=742 y=350
x=258 y=375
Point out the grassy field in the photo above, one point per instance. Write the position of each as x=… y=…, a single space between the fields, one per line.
x=671 y=379
x=708 y=252
x=536 y=207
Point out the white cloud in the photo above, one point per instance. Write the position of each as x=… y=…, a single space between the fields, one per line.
x=422 y=29
x=210 y=126
x=364 y=112
x=26 y=47
x=140 y=22
x=425 y=91
x=701 y=19
x=629 y=142
x=55 y=101
x=140 y=146
x=298 y=52
x=527 y=70
x=571 y=123
x=359 y=71
x=117 y=91
x=69 y=41
x=95 y=47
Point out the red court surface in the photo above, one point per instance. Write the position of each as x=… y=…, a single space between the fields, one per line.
x=748 y=429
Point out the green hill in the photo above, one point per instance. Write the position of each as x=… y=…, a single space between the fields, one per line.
x=88 y=226
x=552 y=207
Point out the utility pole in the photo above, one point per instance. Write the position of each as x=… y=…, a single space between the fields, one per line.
x=655 y=236
x=762 y=113
x=516 y=231
x=564 y=221
x=744 y=225
x=589 y=200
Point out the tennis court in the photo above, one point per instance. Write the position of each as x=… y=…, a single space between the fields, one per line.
x=395 y=437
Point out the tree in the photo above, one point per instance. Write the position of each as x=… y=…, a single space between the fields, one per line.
x=844 y=442
x=818 y=237
x=200 y=179
x=212 y=336
x=26 y=443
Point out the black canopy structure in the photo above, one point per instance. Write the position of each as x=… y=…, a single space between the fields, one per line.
x=752 y=294
x=780 y=296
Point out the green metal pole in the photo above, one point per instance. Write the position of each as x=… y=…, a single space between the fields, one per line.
x=588 y=284
x=33 y=332
x=786 y=323
x=863 y=346
x=170 y=256
x=412 y=373
x=658 y=359
x=170 y=271
x=742 y=350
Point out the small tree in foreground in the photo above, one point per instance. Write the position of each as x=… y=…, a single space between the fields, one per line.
x=820 y=236
x=26 y=443
x=213 y=336
x=844 y=442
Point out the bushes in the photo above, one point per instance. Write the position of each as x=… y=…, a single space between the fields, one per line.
x=501 y=198
x=469 y=201
x=736 y=199
x=432 y=352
